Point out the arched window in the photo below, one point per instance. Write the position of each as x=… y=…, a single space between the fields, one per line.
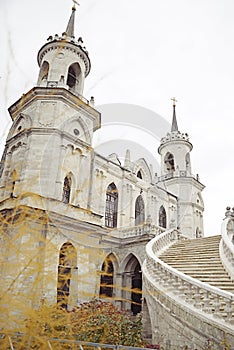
x=139 y=174
x=66 y=189
x=111 y=206
x=73 y=76
x=67 y=262
x=106 y=283
x=187 y=160
x=162 y=217
x=43 y=75
x=169 y=162
x=139 y=211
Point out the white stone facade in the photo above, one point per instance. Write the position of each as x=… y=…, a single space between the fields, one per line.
x=72 y=198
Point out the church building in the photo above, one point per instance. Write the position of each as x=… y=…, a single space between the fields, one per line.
x=76 y=224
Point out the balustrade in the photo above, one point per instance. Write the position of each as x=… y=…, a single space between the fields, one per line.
x=226 y=247
x=140 y=230
x=209 y=300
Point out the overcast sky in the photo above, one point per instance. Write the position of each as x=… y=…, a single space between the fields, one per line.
x=142 y=53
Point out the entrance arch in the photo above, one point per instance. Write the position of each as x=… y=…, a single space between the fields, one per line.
x=66 y=268
x=107 y=278
x=132 y=282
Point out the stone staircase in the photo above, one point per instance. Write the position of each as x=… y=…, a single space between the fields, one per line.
x=186 y=283
x=199 y=258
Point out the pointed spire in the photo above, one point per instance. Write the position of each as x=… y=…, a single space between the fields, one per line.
x=174 y=126
x=71 y=22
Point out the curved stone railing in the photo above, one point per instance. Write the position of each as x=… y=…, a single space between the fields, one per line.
x=226 y=247
x=125 y=232
x=196 y=297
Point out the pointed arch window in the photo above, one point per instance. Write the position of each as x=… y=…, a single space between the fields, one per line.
x=67 y=189
x=111 y=206
x=169 y=162
x=106 y=283
x=139 y=174
x=67 y=262
x=162 y=217
x=139 y=211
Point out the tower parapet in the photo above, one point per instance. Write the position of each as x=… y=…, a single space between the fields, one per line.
x=175 y=136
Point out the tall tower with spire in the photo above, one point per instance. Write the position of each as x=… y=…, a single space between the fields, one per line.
x=46 y=175
x=64 y=61
x=177 y=178
x=53 y=124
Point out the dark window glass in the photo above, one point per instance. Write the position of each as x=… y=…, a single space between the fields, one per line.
x=162 y=217
x=66 y=189
x=111 y=206
x=139 y=211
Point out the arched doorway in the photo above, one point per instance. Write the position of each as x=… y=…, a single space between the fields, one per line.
x=107 y=278
x=136 y=293
x=67 y=263
x=132 y=285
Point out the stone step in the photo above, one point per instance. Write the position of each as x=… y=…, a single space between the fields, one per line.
x=197 y=273
x=199 y=258
x=195 y=266
x=191 y=259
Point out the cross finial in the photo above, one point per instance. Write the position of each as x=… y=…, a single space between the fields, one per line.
x=174 y=101
x=174 y=126
x=75 y=2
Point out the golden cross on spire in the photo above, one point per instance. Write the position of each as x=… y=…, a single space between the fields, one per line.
x=174 y=101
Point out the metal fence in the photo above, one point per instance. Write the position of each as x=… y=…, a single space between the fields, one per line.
x=16 y=341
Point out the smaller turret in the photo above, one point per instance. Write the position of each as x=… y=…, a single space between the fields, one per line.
x=175 y=150
x=64 y=61
x=177 y=178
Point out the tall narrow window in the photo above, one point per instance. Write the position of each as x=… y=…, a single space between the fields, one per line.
x=136 y=293
x=169 y=162
x=73 y=76
x=67 y=262
x=111 y=206
x=139 y=211
x=13 y=179
x=44 y=71
x=106 y=283
x=162 y=217
x=67 y=189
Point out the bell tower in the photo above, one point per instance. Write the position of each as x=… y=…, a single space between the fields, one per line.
x=176 y=177
x=46 y=178
x=50 y=141
x=64 y=61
